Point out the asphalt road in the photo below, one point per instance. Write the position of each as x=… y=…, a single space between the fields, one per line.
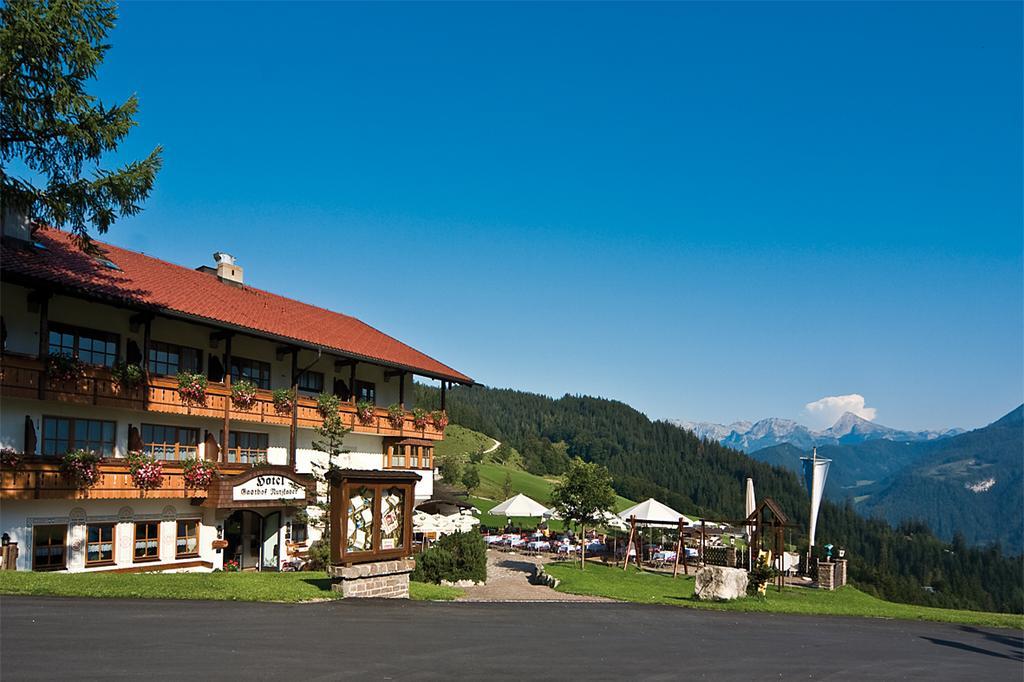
x=48 y=638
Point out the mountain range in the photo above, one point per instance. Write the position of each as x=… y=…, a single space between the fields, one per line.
x=766 y=433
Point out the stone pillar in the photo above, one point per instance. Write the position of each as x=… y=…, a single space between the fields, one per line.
x=381 y=579
x=730 y=557
x=826 y=575
x=840 y=572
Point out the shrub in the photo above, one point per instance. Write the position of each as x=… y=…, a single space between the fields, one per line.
x=192 y=388
x=759 y=576
x=319 y=555
x=147 y=471
x=284 y=400
x=420 y=418
x=198 y=473
x=327 y=404
x=243 y=395
x=365 y=412
x=64 y=368
x=9 y=458
x=127 y=375
x=440 y=419
x=82 y=468
x=460 y=556
x=396 y=416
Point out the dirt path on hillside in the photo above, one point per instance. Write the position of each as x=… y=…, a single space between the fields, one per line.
x=508 y=580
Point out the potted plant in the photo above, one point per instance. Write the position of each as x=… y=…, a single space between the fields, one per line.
x=64 y=368
x=127 y=375
x=327 y=404
x=440 y=419
x=396 y=415
x=365 y=412
x=82 y=468
x=9 y=458
x=420 y=418
x=146 y=470
x=231 y=566
x=192 y=388
x=198 y=473
x=284 y=400
x=243 y=395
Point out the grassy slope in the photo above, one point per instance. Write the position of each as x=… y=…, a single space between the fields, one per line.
x=652 y=588
x=277 y=587
x=461 y=442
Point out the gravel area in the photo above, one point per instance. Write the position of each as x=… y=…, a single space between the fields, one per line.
x=508 y=580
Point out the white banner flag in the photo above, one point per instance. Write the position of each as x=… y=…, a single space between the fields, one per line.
x=815 y=473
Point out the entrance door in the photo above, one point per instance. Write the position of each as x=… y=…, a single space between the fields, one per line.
x=253 y=541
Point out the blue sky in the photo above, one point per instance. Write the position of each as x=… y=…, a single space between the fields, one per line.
x=707 y=211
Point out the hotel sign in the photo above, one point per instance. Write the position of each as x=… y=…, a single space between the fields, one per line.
x=269 y=487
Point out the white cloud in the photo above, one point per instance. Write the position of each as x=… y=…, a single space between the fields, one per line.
x=824 y=413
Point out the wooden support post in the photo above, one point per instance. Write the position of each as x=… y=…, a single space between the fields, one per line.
x=679 y=548
x=44 y=342
x=702 y=536
x=225 y=441
x=352 y=382
x=401 y=390
x=147 y=333
x=294 y=426
x=629 y=542
x=444 y=389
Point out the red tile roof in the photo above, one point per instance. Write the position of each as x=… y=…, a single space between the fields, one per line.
x=151 y=283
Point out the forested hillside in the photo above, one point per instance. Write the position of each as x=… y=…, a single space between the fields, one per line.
x=658 y=459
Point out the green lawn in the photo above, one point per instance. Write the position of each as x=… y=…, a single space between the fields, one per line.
x=652 y=588
x=461 y=442
x=270 y=587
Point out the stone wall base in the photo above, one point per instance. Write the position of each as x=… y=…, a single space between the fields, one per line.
x=380 y=579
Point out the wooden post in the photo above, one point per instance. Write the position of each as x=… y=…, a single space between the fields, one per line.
x=44 y=342
x=401 y=390
x=352 y=382
x=444 y=388
x=147 y=331
x=679 y=547
x=293 y=429
x=629 y=542
x=702 y=542
x=225 y=441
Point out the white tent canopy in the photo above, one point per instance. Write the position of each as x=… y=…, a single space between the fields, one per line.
x=654 y=512
x=606 y=518
x=520 y=505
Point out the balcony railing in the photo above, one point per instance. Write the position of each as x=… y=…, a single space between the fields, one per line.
x=21 y=376
x=41 y=478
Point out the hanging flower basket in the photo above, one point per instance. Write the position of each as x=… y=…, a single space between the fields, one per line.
x=243 y=395
x=9 y=458
x=365 y=413
x=192 y=388
x=82 y=468
x=64 y=368
x=147 y=471
x=284 y=400
x=198 y=473
x=327 y=404
x=396 y=416
x=420 y=418
x=127 y=375
x=440 y=419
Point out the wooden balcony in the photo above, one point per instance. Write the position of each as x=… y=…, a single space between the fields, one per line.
x=40 y=478
x=21 y=376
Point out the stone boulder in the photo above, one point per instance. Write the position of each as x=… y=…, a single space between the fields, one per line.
x=719 y=583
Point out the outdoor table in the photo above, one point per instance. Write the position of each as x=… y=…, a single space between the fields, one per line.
x=538 y=544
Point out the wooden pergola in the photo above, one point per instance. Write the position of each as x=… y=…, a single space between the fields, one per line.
x=772 y=526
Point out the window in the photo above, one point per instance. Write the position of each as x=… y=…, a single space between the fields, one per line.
x=300 y=532
x=405 y=455
x=311 y=381
x=168 y=359
x=147 y=541
x=366 y=391
x=99 y=544
x=398 y=456
x=170 y=442
x=48 y=547
x=90 y=346
x=247 y=447
x=63 y=434
x=186 y=542
x=251 y=370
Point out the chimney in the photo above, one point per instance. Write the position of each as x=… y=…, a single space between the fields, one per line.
x=16 y=225
x=227 y=270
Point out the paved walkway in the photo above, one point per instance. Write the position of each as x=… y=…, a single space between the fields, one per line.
x=508 y=580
